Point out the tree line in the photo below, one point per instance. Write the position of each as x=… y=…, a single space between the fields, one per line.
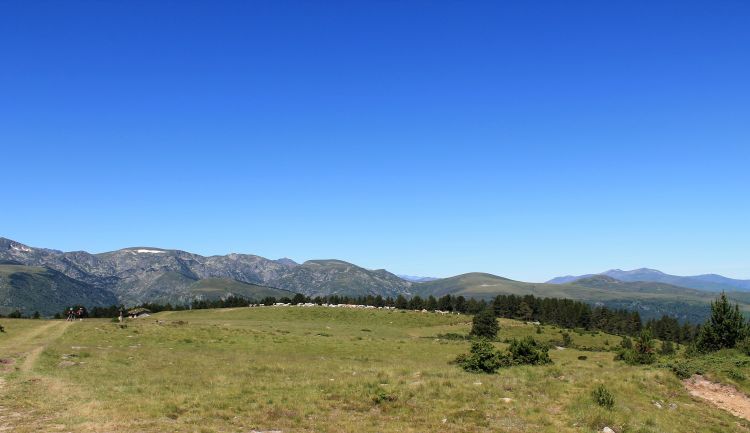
x=566 y=313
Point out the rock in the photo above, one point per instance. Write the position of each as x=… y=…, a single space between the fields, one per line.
x=506 y=399
x=658 y=405
x=672 y=406
x=607 y=430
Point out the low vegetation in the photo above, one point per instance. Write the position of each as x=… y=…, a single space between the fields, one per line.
x=298 y=369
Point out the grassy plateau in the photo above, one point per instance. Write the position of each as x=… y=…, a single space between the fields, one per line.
x=297 y=369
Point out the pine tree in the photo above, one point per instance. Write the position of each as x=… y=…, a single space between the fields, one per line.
x=724 y=329
x=484 y=324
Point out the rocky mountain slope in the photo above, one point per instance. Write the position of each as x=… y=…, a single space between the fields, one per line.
x=145 y=274
x=47 y=291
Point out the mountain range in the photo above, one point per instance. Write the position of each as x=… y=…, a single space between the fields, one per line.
x=47 y=280
x=709 y=282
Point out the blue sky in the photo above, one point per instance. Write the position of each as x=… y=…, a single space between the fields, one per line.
x=525 y=139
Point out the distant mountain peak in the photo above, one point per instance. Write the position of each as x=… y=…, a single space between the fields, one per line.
x=708 y=282
x=286 y=261
x=416 y=279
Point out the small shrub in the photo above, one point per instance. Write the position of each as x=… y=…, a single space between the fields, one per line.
x=381 y=396
x=452 y=336
x=626 y=343
x=667 y=348
x=583 y=357
x=642 y=351
x=681 y=370
x=538 y=330
x=528 y=351
x=603 y=397
x=567 y=340
x=736 y=375
x=744 y=346
x=2 y=329
x=482 y=358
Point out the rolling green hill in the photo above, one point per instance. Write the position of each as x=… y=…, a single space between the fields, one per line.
x=32 y=288
x=650 y=299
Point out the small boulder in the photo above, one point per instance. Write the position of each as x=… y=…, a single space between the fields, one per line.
x=607 y=430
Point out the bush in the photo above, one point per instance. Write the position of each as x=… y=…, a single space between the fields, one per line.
x=482 y=358
x=736 y=375
x=528 y=351
x=567 y=340
x=681 y=370
x=2 y=329
x=603 y=397
x=667 y=348
x=643 y=351
x=484 y=324
x=744 y=346
x=583 y=357
x=381 y=396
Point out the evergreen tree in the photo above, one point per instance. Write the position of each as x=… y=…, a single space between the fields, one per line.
x=401 y=303
x=484 y=324
x=724 y=329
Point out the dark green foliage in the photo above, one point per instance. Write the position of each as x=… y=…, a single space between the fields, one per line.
x=567 y=340
x=667 y=348
x=482 y=358
x=582 y=357
x=744 y=346
x=35 y=315
x=299 y=299
x=452 y=336
x=484 y=324
x=524 y=311
x=382 y=396
x=735 y=374
x=431 y=303
x=528 y=351
x=416 y=303
x=15 y=314
x=681 y=369
x=603 y=397
x=567 y=313
x=538 y=329
x=642 y=352
x=725 y=328
x=2 y=329
x=401 y=303
x=626 y=343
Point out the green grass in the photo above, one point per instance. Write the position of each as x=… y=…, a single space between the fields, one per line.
x=728 y=366
x=326 y=370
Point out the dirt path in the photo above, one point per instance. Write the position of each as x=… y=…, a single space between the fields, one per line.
x=51 y=333
x=26 y=347
x=722 y=396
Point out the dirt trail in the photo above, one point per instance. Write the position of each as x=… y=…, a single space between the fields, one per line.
x=722 y=396
x=29 y=345
x=52 y=333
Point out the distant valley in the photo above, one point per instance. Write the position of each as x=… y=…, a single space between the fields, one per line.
x=46 y=280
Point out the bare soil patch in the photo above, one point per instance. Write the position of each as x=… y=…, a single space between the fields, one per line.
x=725 y=397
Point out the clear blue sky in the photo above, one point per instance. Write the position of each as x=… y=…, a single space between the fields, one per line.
x=525 y=139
